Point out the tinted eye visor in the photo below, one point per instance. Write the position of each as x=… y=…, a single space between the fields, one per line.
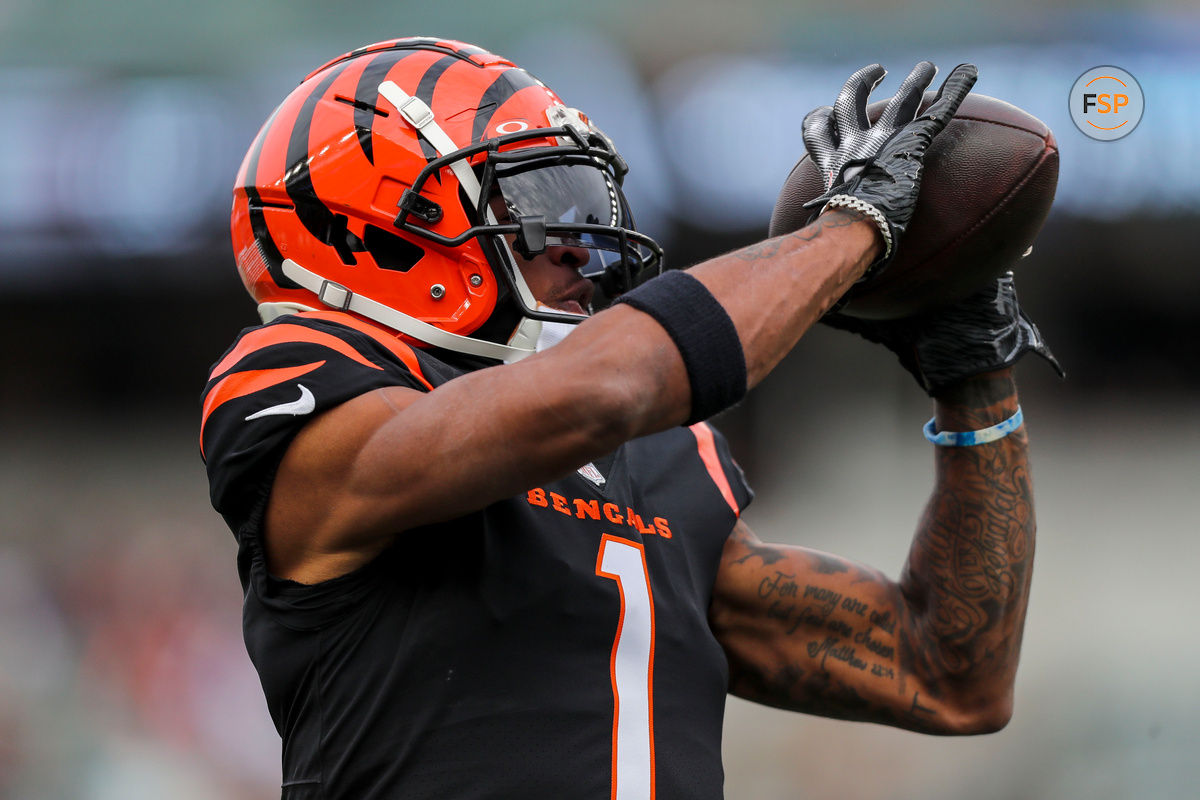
x=576 y=204
x=574 y=193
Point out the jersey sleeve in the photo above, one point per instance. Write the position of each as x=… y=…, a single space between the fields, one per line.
x=270 y=383
x=722 y=468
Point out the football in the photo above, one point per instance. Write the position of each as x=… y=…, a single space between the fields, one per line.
x=988 y=184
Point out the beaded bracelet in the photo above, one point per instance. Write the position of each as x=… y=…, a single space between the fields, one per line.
x=970 y=438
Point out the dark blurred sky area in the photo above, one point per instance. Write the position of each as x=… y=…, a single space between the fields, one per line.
x=123 y=129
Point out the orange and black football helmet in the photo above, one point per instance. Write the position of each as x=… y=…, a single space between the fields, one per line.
x=375 y=187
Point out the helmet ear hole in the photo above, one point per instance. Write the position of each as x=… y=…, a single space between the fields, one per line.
x=339 y=236
x=391 y=251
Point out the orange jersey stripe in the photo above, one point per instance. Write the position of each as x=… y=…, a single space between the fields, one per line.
x=240 y=384
x=381 y=335
x=712 y=462
x=283 y=334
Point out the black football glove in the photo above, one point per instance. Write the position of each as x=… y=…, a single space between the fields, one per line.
x=881 y=164
x=840 y=138
x=980 y=333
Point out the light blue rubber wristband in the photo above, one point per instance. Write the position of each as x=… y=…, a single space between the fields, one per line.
x=970 y=438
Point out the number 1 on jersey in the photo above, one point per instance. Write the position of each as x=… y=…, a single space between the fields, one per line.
x=631 y=667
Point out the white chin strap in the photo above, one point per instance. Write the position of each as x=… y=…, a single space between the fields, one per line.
x=522 y=343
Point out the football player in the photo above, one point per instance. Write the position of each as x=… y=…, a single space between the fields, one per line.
x=485 y=558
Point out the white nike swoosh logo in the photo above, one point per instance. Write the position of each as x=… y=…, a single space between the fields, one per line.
x=304 y=405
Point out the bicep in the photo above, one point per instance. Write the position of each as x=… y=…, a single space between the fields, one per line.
x=813 y=632
x=394 y=459
x=318 y=515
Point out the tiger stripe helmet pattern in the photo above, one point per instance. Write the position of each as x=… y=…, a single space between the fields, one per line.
x=374 y=188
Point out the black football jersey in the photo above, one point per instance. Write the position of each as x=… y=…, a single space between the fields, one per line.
x=554 y=644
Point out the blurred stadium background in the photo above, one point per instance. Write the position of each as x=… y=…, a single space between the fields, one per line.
x=122 y=673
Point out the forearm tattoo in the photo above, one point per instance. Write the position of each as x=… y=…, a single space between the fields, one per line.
x=770 y=247
x=971 y=562
x=866 y=648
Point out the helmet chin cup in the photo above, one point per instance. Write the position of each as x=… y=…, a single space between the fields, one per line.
x=524 y=339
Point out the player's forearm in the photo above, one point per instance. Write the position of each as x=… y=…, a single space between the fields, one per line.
x=968 y=574
x=773 y=291
x=776 y=290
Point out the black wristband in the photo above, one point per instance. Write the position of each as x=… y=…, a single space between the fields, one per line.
x=703 y=333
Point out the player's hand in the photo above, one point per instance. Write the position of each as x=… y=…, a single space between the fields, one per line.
x=983 y=332
x=840 y=138
x=881 y=164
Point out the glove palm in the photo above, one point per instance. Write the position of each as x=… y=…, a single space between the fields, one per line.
x=983 y=332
